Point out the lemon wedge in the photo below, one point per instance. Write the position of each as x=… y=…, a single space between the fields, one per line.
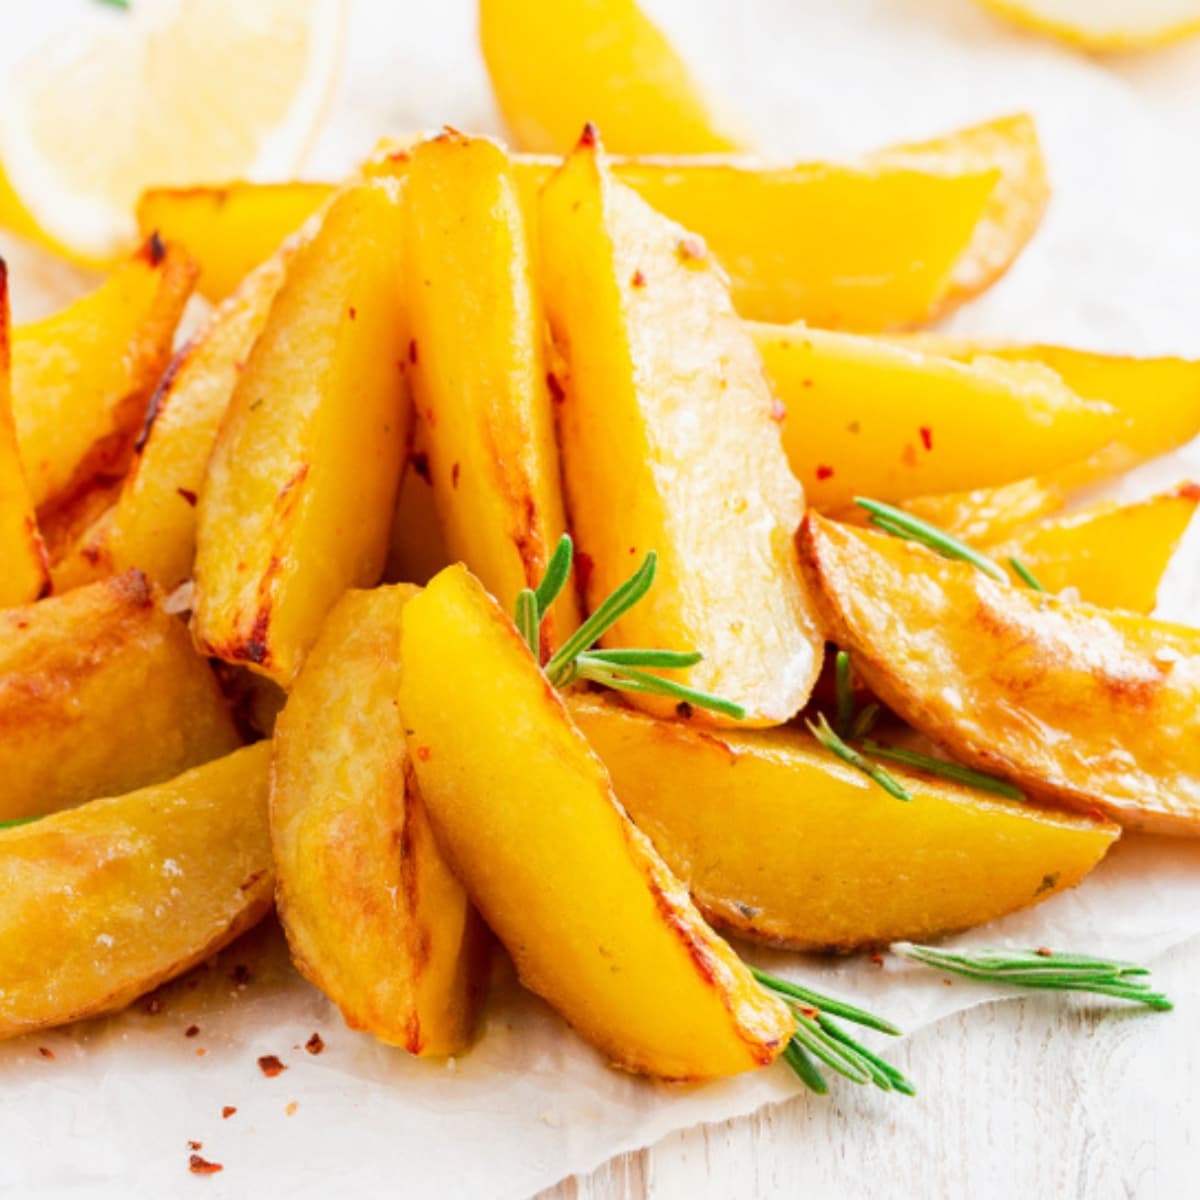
x=1105 y=24
x=175 y=92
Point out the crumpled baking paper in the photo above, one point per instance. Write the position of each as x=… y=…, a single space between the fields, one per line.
x=1114 y=267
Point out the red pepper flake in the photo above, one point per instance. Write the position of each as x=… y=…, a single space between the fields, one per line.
x=948 y=982
x=201 y=1166
x=195 y=1145
x=191 y=1031
x=692 y=248
x=240 y=974
x=227 y=1112
x=824 y=472
x=926 y=437
x=557 y=394
x=424 y=753
x=352 y=313
x=46 y=1052
x=1045 y=952
x=877 y=959
x=454 y=470
x=590 y=135
x=292 y=1106
x=315 y=1044
x=639 y=279
x=188 y=495
x=1188 y=491
x=808 y=1011
x=270 y=1065
x=412 y=351
x=778 y=409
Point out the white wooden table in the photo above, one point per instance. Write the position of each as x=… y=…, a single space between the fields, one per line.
x=1036 y=1097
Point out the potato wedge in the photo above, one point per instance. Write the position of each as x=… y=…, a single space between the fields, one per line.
x=81 y=378
x=985 y=515
x=373 y=916
x=152 y=525
x=101 y=692
x=229 y=230
x=526 y=815
x=26 y=573
x=302 y=482
x=869 y=418
x=670 y=444
x=102 y=904
x=557 y=64
x=488 y=416
x=1113 y=555
x=416 y=548
x=1076 y=704
x=780 y=842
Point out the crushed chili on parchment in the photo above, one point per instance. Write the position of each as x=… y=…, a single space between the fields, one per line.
x=270 y=1065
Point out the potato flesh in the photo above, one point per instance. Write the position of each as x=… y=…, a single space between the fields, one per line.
x=525 y=812
x=669 y=444
x=81 y=378
x=372 y=913
x=985 y=515
x=101 y=692
x=26 y=574
x=780 y=842
x=103 y=903
x=488 y=417
x=1076 y=704
x=152 y=525
x=868 y=418
x=302 y=482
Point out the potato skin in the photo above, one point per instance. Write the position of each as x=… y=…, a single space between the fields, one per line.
x=595 y=922
x=1078 y=705
x=103 y=903
x=781 y=843
x=101 y=692
x=373 y=916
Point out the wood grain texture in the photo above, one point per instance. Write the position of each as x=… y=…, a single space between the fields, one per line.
x=1036 y=1097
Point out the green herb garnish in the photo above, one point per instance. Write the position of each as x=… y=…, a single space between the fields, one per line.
x=1026 y=576
x=824 y=734
x=15 y=821
x=948 y=770
x=904 y=525
x=845 y=694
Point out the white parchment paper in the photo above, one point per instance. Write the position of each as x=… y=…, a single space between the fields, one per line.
x=1116 y=266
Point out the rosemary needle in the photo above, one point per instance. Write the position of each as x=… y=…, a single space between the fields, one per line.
x=12 y=824
x=845 y=694
x=1026 y=576
x=821 y=731
x=948 y=770
x=902 y=524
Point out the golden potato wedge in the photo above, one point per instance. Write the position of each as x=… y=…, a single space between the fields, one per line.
x=81 y=378
x=101 y=692
x=985 y=515
x=152 y=524
x=488 y=418
x=1113 y=555
x=670 y=443
x=780 y=842
x=26 y=572
x=373 y=916
x=869 y=418
x=102 y=904
x=302 y=482
x=416 y=549
x=557 y=64
x=1076 y=704
x=229 y=230
x=595 y=922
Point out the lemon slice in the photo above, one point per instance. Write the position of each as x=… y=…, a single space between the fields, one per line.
x=1105 y=24
x=175 y=92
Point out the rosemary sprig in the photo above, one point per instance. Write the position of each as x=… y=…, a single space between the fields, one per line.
x=15 y=821
x=1044 y=970
x=821 y=731
x=621 y=669
x=819 y=1036
x=948 y=770
x=904 y=525
x=1027 y=577
x=845 y=694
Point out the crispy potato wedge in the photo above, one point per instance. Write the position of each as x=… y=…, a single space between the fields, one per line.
x=416 y=548
x=81 y=378
x=26 y=573
x=985 y=515
x=1076 y=704
x=229 y=230
x=488 y=418
x=869 y=418
x=102 y=904
x=302 y=482
x=1113 y=555
x=152 y=524
x=595 y=922
x=670 y=444
x=372 y=913
x=557 y=64
x=101 y=692
x=780 y=842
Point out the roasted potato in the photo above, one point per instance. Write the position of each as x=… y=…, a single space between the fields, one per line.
x=372 y=913
x=595 y=922
x=780 y=842
x=302 y=483
x=670 y=443
x=101 y=692
x=102 y=904
x=152 y=524
x=869 y=418
x=1077 y=705
x=985 y=515
x=488 y=419
x=81 y=378
x=26 y=573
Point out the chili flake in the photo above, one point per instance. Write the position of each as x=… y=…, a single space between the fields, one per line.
x=270 y=1065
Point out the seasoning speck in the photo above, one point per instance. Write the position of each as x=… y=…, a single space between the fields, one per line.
x=270 y=1065
x=191 y=1031
x=46 y=1052
x=201 y=1166
x=228 y=1111
x=291 y=1108
x=240 y=974
x=315 y=1044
